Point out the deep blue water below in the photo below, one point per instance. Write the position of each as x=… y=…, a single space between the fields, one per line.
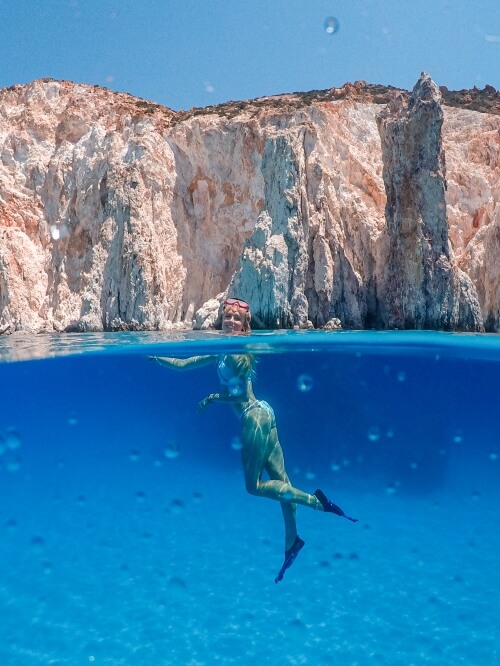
x=127 y=536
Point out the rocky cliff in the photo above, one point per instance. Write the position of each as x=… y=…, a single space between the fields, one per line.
x=365 y=205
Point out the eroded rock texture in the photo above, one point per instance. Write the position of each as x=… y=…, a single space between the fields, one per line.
x=116 y=213
x=421 y=287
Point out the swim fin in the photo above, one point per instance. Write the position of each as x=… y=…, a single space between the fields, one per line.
x=330 y=507
x=290 y=556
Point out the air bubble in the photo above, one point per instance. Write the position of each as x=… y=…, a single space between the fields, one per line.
x=493 y=455
x=401 y=376
x=3 y=446
x=236 y=444
x=12 y=439
x=171 y=451
x=235 y=386
x=140 y=496
x=458 y=437
x=335 y=467
x=177 y=506
x=305 y=383
x=72 y=419
x=390 y=433
x=134 y=455
x=373 y=434
x=310 y=476
x=390 y=490
x=12 y=464
x=37 y=543
x=331 y=25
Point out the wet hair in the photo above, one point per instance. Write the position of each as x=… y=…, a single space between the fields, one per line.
x=244 y=364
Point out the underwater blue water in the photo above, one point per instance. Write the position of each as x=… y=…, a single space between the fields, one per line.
x=127 y=536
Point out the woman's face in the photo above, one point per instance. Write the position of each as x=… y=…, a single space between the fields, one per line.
x=234 y=319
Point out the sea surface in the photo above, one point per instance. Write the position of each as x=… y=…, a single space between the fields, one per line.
x=127 y=536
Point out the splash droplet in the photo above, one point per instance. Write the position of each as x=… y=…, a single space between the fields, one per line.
x=331 y=25
x=59 y=231
x=304 y=383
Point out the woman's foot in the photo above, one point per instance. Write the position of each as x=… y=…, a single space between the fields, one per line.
x=330 y=507
x=290 y=556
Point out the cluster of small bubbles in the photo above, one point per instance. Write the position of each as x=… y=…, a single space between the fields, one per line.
x=236 y=444
x=310 y=476
x=401 y=376
x=458 y=437
x=493 y=456
x=177 y=506
x=235 y=386
x=373 y=433
x=72 y=419
x=58 y=231
x=134 y=455
x=171 y=451
x=304 y=383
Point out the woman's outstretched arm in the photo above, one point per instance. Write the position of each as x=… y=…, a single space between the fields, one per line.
x=184 y=363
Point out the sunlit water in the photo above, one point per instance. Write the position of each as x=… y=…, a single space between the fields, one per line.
x=127 y=536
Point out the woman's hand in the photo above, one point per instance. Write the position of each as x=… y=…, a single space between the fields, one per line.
x=203 y=404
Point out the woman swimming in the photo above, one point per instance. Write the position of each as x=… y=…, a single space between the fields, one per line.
x=261 y=450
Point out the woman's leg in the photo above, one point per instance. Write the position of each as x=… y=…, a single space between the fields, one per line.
x=261 y=450
x=275 y=467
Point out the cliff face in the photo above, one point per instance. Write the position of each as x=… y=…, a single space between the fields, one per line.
x=116 y=213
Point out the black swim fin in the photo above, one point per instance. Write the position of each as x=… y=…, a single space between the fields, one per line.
x=290 y=556
x=330 y=507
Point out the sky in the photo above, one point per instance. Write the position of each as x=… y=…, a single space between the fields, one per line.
x=196 y=53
